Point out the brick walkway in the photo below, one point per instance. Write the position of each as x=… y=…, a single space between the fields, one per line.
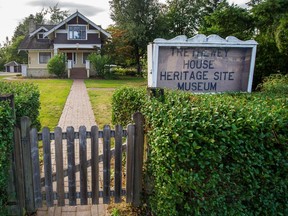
x=77 y=112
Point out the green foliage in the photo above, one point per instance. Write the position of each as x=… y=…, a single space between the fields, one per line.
x=56 y=14
x=125 y=102
x=6 y=135
x=57 y=65
x=125 y=71
x=184 y=17
x=229 y=20
x=281 y=35
x=269 y=20
x=223 y=154
x=118 y=48
x=268 y=60
x=220 y=154
x=137 y=20
x=27 y=102
x=275 y=83
x=101 y=64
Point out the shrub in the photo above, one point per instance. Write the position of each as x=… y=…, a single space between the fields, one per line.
x=125 y=102
x=57 y=65
x=27 y=102
x=6 y=135
x=220 y=154
x=275 y=83
x=125 y=71
x=101 y=64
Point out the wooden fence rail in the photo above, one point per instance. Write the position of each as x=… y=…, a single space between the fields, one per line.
x=65 y=143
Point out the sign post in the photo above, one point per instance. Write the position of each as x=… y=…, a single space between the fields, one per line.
x=202 y=64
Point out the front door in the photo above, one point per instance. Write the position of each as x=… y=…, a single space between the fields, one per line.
x=71 y=56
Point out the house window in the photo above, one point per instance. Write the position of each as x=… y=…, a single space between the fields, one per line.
x=77 y=32
x=41 y=36
x=44 y=57
x=85 y=57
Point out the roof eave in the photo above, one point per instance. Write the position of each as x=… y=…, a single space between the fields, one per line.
x=71 y=17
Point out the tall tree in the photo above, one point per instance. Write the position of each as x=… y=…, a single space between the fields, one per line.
x=118 y=47
x=56 y=14
x=137 y=19
x=281 y=35
x=22 y=28
x=229 y=20
x=270 y=16
x=185 y=17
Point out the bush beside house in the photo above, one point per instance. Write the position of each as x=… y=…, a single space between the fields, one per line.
x=101 y=64
x=57 y=65
x=222 y=154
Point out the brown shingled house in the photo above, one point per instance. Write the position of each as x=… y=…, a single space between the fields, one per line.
x=76 y=37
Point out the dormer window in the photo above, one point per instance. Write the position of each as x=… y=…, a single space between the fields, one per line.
x=77 y=32
x=41 y=35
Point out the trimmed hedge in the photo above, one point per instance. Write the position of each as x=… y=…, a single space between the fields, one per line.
x=220 y=154
x=125 y=102
x=6 y=135
x=27 y=102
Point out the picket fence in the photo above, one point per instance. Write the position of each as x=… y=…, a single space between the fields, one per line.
x=27 y=168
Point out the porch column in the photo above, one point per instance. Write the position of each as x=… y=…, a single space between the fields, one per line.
x=88 y=68
x=55 y=51
x=69 y=66
x=24 y=70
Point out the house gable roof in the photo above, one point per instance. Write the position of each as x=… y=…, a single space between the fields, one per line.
x=11 y=63
x=82 y=17
x=44 y=28
x=38 y=30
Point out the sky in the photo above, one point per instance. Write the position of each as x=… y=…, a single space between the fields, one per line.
x=12 y=12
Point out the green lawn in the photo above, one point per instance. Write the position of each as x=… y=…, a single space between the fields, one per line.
x=124 y=81
x=100 y=93
x=53 y=94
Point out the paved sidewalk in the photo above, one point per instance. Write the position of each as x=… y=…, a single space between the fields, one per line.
x=77 y=112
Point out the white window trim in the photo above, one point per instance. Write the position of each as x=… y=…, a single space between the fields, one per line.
x=68 y=32
x=39 y=57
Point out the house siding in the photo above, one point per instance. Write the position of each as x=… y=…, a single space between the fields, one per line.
x=33 y=59
x=34 y=68
x=38 y=72
x=77 y=20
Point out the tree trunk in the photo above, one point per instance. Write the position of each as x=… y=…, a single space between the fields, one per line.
x=137 y=58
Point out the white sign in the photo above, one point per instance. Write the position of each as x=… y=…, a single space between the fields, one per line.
x=202 y=64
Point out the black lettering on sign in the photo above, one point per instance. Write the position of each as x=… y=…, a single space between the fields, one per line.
x=179 y=51
x=173 y=75
x=223 y=75
x=198 y=64
x=197 y=86
x=199 y=75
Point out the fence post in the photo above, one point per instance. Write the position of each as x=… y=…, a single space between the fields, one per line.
x=130 y=163
x=27 y=165
x=138 y=157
